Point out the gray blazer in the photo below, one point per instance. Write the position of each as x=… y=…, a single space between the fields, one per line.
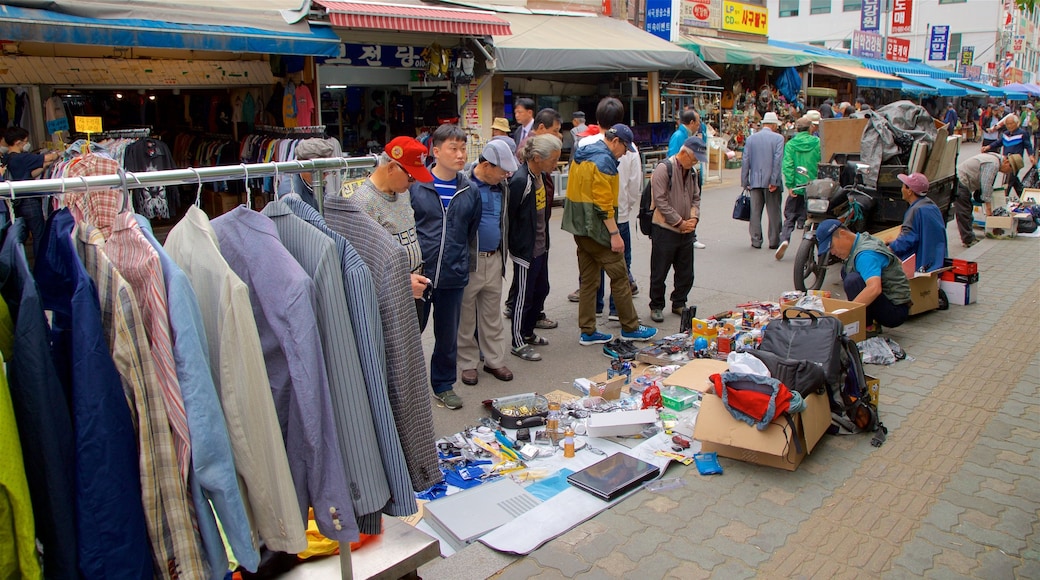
x=763 y=161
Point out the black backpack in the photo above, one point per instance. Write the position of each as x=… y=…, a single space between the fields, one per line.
x=646 y=200
x=851 y=408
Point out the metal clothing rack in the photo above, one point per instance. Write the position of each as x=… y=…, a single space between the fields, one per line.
x=192 y=176
x=287 y=132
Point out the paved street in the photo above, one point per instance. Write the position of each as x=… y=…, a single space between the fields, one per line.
x=955 y=491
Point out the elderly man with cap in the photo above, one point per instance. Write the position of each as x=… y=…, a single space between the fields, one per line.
x=590 y=214
x=677 y=204
x=300 y=183
x=814 y=117
x=760 y=172
x=950 y=118
x=579 y=127
x=923 y=232
x=480 y=326
x=975 y=183
x=870 y=273
x=803 y=150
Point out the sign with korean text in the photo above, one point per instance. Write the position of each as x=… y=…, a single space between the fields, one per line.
x=659 y=18
x=967 y=55
x=382 y=56
x=870 y=16
x=937 y=42
x=88 y=125
x=867 y=44
x=902 y=12
x=699 y=14
x=897 y=49
x=972 y=73
x=745 y=18
x=1019 y=41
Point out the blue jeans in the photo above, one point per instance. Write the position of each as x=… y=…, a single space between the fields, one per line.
x=446 y=305
x=626 y=236
x=881 y=310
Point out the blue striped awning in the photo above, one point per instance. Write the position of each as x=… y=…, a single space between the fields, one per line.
x=987 y=89
x=32 y=25
x=912 y=67
x=931 y=86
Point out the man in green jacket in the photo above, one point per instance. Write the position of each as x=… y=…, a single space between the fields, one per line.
x=803 y=150
x=590 y=214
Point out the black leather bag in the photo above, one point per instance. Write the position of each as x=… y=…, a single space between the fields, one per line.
x=742 y=207
x=803 y=376
x=807 y=335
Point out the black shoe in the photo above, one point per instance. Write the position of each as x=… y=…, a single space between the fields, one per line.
x=678 y=309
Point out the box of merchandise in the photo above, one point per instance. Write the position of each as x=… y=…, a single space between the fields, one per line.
x=1001 y=227
x=960 y=293
x=924 y=292
x=851 y=314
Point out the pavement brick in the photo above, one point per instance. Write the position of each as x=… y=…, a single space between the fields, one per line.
x=955 y=562
x=916 y=558
x=944 y=515
x=700 y=553
x=522 y=570
x=638 y=547
x=551 y=556
x=747 y=553
x=732 y=570
x=599 y=546
x=687 y=571
x=997 y=564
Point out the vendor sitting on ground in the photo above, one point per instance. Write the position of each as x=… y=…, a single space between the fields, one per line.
x=924 y=230
x=871 y=273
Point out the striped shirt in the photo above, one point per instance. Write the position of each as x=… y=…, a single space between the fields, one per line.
x=445 y=190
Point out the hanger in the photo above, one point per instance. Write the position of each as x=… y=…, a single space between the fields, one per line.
x=249 y=196
x=126 y=191
x=198 y=192
x=10 y=201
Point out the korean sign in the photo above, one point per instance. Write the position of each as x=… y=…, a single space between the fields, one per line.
x=745 y=18
x=695 y=14
x=902 y=11
x=1019 y=39
x=869 y=12
x=659 y=18
x=937 y=42
x=897 y=49
x=867 y=44
x=967 y=55
x=383 y=56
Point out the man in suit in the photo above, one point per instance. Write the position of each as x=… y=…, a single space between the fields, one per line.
x=761 y=174
x=523 y=111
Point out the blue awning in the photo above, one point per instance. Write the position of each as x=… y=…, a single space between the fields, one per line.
x=912 y=67
x=32 y=25
x=931 y=86
x=989 y=90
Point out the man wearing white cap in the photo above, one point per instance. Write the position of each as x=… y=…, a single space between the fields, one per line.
x=760 y=172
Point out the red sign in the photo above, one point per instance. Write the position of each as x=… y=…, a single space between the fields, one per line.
x=902 y=12
x=990 y=67
x=897 y=49
x=701 y=12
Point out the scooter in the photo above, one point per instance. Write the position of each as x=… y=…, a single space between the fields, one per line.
x=825 y=199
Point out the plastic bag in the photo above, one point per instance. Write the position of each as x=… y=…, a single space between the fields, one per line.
x=742 y=362
x=876 y=351
x=652 y=397
x=810 y=302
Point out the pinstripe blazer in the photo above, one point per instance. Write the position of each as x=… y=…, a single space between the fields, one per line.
x=317 y=254
x=405 y=365
x=284 y=303
x=368 y=338
x=237 y=363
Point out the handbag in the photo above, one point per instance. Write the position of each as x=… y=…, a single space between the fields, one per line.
x=807 y=335
x=742 y=207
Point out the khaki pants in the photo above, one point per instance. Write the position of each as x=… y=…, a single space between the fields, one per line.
x=592 y=257
x=482 y=315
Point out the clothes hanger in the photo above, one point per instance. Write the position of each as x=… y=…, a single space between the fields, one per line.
x=198 y=192
x=249 y=197
x=10 y=202
x=126 y=191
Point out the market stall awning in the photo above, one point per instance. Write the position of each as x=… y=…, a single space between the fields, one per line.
x=930 y=86
x=129 y=73
x=728 y=51
x=864 y=76
x=988 y=90
x=414 y=18
x=264 y=14
x=912 y=67
x=554 y=43
x=33 y=25
x=1031 y=90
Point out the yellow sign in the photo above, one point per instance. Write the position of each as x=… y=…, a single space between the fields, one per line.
x=745 y=18
x=88 y=124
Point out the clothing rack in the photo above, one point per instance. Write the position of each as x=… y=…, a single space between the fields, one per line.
x=287 y=132
x=192 y=176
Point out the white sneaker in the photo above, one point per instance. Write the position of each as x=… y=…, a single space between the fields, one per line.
x=699 y=245
x=779 y=255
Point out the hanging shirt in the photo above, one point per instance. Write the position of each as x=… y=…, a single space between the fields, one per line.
x=113 y=541
x=214 y=486
x=284 y=302
x=289 y=105
x=239 y=373
x=304 y=106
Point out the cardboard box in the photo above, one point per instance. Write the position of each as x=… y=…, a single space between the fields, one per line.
x=852 y=314
x=694 y=374
x=874 y=387
x=610 y=390
x=774 y=446
x=620 y=423
x=960 y=293
x=1000 y=227
x=924 y=292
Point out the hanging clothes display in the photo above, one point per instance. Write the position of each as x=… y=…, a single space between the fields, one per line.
x=150 y=154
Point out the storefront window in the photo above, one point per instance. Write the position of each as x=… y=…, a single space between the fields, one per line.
x=819 y=6
x=852 y=5
x=788 y=8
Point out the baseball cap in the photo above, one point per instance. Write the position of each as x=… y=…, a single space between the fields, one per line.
x=917 y=182
x=700 y=150
x=411 y=154
x=497 y=153
x=500 y=123
x=314 y=149
x=623 y=132
x=824 y=233
x=814 y=116
x=803 y=123
x=578 y=115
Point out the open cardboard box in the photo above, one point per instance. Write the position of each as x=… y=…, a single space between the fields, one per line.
x=851 y=314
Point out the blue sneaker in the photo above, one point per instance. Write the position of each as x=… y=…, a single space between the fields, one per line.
x=595 y=338
x=640 y=333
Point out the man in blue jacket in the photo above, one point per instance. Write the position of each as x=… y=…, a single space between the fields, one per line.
x=924 y=230
x=447 y=214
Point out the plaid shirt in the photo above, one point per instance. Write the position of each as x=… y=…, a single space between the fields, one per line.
x=175 y=545
x=96 y=206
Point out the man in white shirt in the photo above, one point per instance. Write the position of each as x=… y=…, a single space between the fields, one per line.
x=523 y=111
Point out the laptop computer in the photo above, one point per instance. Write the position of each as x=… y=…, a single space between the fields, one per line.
x=612 y=477
x=463 y=517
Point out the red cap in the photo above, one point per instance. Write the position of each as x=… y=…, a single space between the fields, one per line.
x=411 y=154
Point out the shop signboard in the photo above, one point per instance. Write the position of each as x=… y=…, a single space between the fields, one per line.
x=659 y=18
x=972 y=73
x=472 y=110
x=382 y=56
x=902 y=11
x=869 y=19
x=1019 y=41
x=967 y=55
x=897 y=49
x=938 y=41
x=867 y=44
x=697 y=15
x=748 y=18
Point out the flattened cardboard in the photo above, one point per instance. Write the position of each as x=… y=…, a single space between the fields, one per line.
x=853 y=316
x=694 y=374
x=718 y=431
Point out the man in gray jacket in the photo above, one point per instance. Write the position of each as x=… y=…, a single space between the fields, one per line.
x=760 y=172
